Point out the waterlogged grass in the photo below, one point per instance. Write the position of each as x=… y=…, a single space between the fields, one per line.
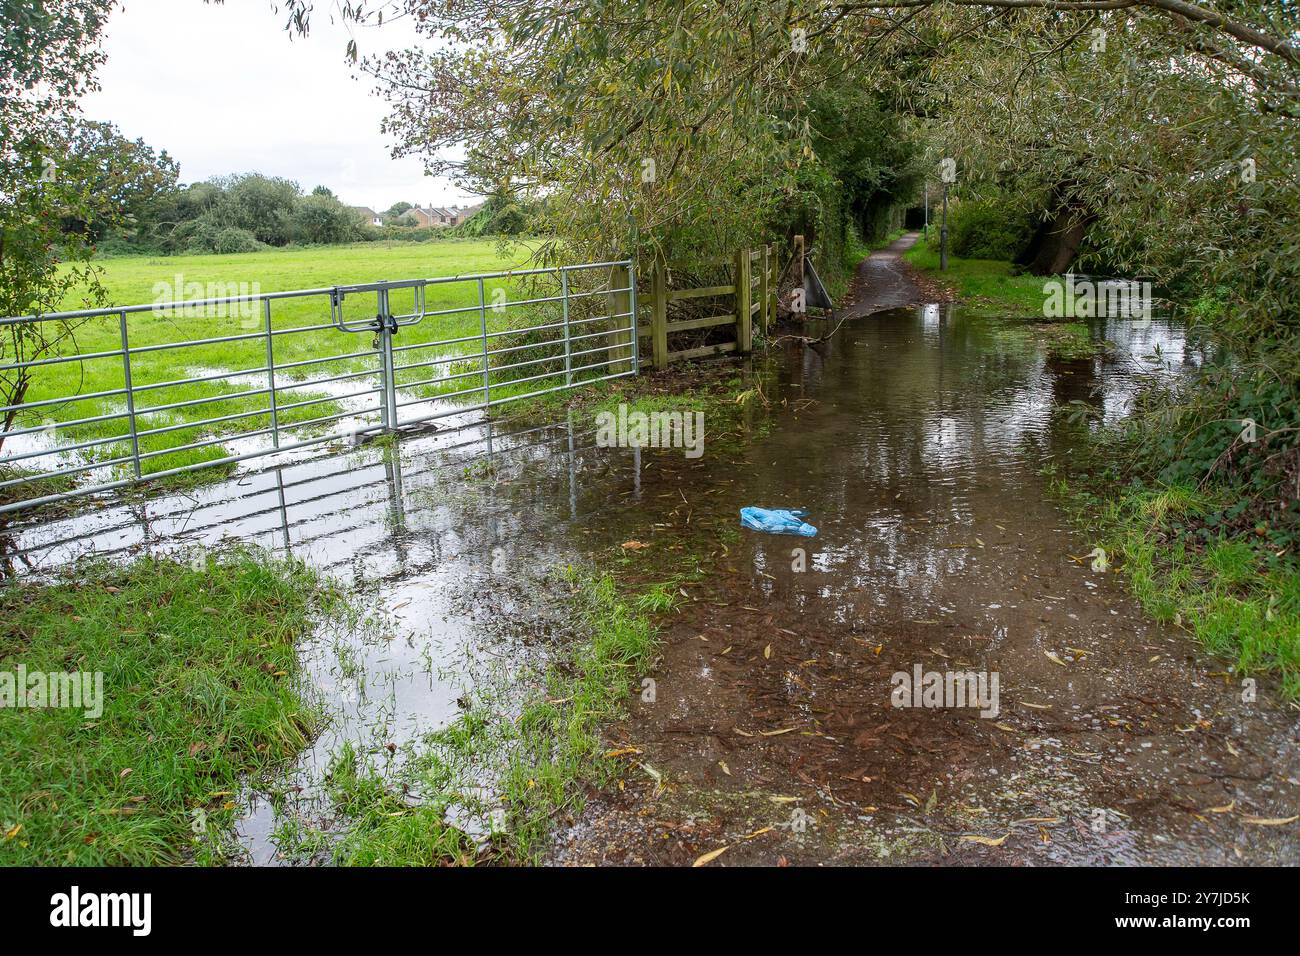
x=559 y=732
x=140 y=279
x=734 y=406
x=200 y=692
x=1231 y=593
x=1010 y=305
x=515 y=767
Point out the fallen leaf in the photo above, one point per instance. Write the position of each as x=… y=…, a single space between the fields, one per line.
x=1054 y=659
x=986 y=841
x=710 y=856
x=634 y=545
x=1270 y=821
x=725 y=768
x=13 y=831
x=776 y=733
x=767 y=651
x=622 y=752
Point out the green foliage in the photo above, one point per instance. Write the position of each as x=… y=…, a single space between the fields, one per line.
x=988 y=230
x=233 y=239
x=1195 y=433
x=502 y=215
x=323 y=220
x=1230 y=592
x=48 y=55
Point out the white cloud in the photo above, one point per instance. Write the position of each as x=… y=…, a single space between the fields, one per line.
x=225 y=89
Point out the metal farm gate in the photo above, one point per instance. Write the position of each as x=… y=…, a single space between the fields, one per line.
x=121 y=395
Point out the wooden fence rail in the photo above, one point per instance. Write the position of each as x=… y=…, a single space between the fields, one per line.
x=753 y=294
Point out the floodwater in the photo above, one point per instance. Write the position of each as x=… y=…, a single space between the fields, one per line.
x=916 y=439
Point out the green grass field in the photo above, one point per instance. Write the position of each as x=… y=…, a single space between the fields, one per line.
x=327 y=352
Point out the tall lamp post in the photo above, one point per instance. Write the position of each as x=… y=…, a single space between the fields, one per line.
x=943 y=233
x=948 y=176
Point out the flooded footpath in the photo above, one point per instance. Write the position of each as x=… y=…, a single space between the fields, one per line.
x=1046 y=719
x=778 y=727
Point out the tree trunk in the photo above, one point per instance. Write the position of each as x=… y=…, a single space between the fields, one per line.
x=1056 y=243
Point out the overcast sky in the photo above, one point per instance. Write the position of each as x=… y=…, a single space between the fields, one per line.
x=224 y=89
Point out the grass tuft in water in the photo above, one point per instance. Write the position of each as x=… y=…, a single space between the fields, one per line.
x=200 y=692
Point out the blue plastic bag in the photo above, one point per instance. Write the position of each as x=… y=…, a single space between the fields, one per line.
x=777 y=521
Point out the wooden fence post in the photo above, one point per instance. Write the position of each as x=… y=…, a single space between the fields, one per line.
x=622 y=327
x=774 y=286
x=764 y=281
x=659 y=315
x=744 y=298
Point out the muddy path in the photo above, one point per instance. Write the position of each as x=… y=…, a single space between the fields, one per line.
x=916 y=444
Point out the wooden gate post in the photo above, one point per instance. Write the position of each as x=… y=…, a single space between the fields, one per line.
x=744 y=298
x=659 y=315
x=622 y=327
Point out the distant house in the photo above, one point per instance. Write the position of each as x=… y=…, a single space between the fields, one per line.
x=467 y=213
x=433 y=216
x=368 y=215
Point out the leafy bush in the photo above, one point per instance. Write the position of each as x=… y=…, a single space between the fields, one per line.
x=320 y=219
x=986 y=230
x=232 y=239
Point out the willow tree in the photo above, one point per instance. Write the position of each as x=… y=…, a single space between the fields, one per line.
x=1171 y=162
x=689 y=121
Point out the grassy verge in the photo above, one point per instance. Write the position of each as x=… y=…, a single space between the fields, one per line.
x=985 y=286
x=1009 y=306
x=199 y=691
x=1229 y=591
